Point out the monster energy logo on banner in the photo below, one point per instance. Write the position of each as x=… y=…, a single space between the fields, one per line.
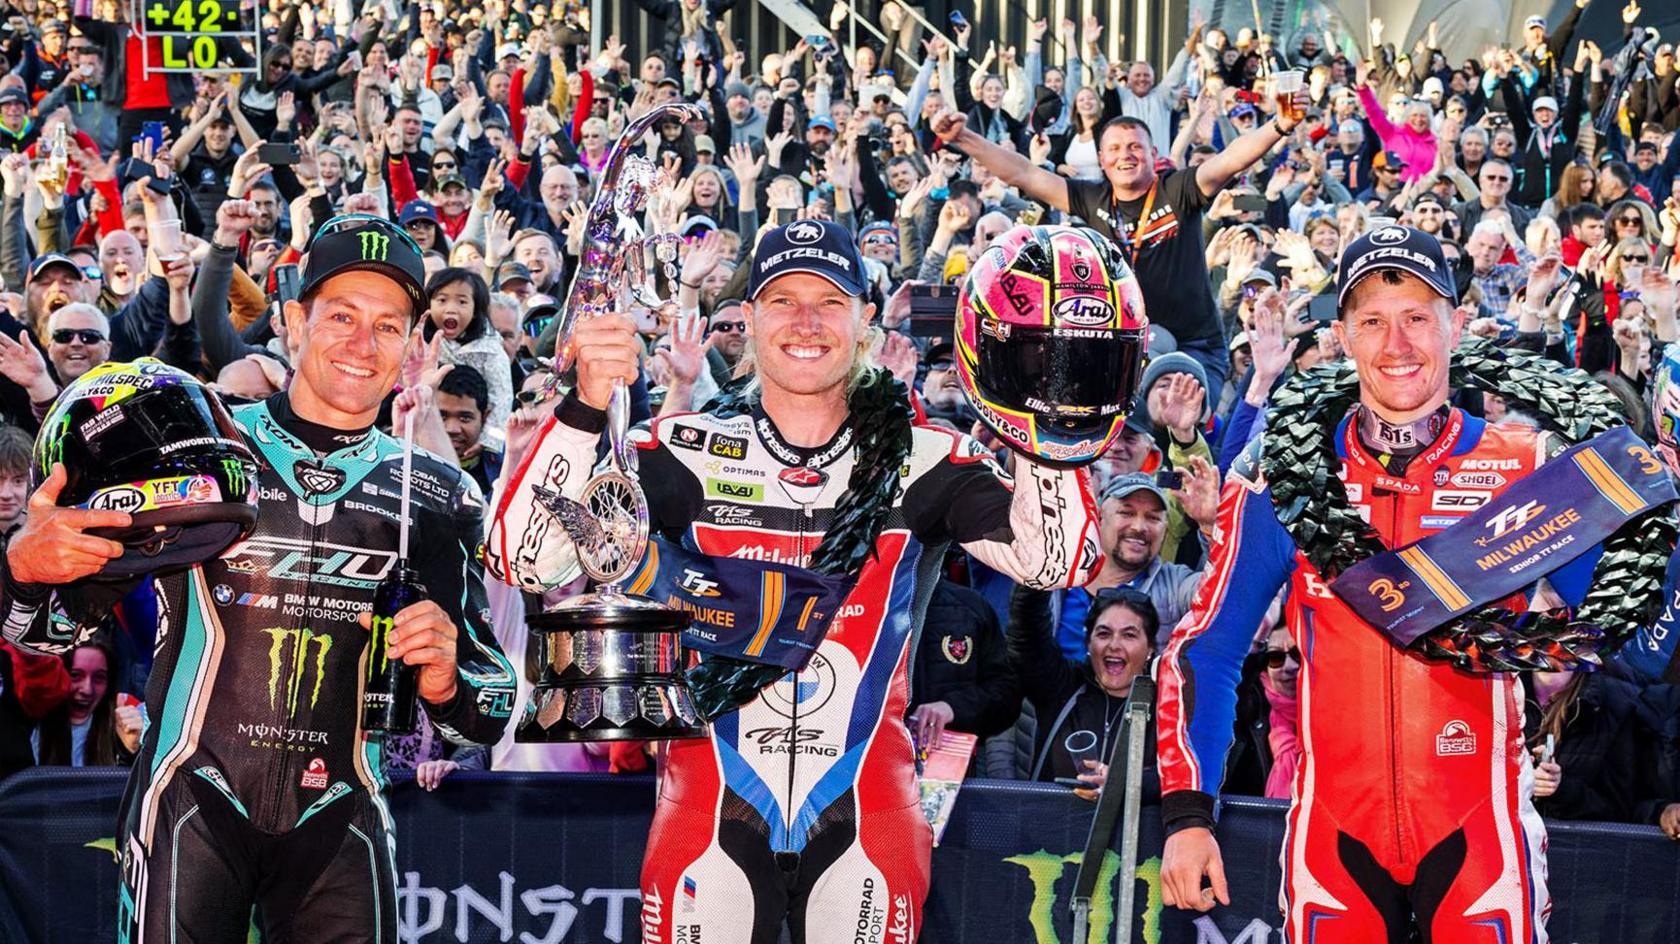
x=235 y=472
x=374 y=245
x=300 y=640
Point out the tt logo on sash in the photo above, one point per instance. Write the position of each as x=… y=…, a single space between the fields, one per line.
x=1389 y=592
x=374 y=246
x=1513 y=518
x=697 y=584
x=295 y=667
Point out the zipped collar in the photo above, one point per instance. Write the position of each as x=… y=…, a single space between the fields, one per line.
x=324 y=440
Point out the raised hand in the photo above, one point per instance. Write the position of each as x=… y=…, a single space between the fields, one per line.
x=689 y=344
x=1199 y=496
x=948 y=124
x=234 y=218
x=703 y=257
x=21 y=363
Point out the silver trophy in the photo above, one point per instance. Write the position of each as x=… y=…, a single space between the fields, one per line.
x=611 y=663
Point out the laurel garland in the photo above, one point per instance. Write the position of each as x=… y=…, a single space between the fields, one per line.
x=1299 y=462
x=880 y=415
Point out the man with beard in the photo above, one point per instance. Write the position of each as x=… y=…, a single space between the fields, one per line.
x=746 y=123
x=536 y=251
x=1132 y=528
x=942 y=396
x=122 y=260
x=265 y=199
x=54 y=281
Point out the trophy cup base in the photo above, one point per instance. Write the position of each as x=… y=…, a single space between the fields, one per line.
x=629 y=710
x=610 y=670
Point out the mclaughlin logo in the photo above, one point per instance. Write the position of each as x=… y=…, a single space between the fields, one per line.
x=294 y=669
x=374 y=245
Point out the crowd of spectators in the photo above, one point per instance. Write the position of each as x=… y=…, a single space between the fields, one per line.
x=143 y=216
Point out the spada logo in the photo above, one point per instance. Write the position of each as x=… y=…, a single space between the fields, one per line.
x=1456 y=739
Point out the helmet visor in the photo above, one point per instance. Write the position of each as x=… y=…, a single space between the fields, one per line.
x=166 y=420
x=1075 y=380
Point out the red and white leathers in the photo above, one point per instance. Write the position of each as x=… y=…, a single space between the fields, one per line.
x=802 y=805
x=1413 y=799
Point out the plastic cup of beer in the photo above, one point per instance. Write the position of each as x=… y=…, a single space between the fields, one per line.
x=166 y=240
x=1287 y=83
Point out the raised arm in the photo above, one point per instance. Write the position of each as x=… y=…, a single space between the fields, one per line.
x=1008 y=164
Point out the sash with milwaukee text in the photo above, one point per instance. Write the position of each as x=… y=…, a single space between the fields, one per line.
x=1548 y=518
x=759 y=611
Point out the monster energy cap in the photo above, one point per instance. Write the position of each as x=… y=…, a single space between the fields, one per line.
x=360 y=242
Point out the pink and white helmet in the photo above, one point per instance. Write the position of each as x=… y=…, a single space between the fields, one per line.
x=1050 y=340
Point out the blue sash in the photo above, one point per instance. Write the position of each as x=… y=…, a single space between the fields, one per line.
x=1548 y=518
x=757 y=611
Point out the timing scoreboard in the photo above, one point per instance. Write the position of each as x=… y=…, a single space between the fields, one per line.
x=192 y=33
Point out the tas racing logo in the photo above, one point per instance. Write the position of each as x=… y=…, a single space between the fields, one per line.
x=289 y=661
x=375 y=245
x=1456 y=739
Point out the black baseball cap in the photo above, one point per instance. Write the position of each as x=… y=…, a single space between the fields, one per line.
x=1408 y=250
x=511 y=271
x=357 y=241
x=817 y=247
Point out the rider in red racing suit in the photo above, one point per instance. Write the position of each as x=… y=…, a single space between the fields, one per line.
x=1412 y=797
x=803 y=802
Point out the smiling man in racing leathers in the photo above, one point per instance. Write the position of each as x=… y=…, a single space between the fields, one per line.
x=1413 y=801
x=255 y=784
x=801 y=805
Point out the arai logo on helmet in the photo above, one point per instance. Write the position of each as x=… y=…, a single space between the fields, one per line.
x=804 y=233
x=121 y=498
x=1084 y=311
x=1390 y=236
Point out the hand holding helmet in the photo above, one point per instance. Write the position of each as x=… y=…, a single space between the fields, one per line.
x=53 y=546
x=1050 y=341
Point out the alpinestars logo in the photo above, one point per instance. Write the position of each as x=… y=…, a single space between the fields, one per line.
x=375 y=245
x=318 y=479
x=289 y=661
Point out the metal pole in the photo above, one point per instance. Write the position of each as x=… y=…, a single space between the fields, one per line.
x=1119 y=803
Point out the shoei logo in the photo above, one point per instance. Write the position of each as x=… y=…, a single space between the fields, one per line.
x=1389 y=236
x=375 y=245
x=1513 y=518
x=804 y=233
x=1455 y=740
x=699 y=584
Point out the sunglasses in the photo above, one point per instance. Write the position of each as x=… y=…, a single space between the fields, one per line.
x=349 y=222
x=1636 y=260
x=280 y=66
x=1275 y=658
x=1629 y=221
x=444 y=165
x=1252 y=290
x=728 y=327
x=534 y=327
x=87 y=335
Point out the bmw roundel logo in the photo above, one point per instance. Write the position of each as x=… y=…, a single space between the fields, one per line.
x=223 y=594
x=1390 y=236
x=804 y=233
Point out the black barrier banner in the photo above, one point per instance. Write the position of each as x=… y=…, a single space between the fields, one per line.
x=553 y=858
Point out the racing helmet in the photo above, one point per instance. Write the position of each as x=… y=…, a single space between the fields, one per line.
x=1665 y=408
x=151 y=440
x=1050 y=340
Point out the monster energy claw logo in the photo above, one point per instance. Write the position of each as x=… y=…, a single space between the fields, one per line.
x=235 y=472
x=300 y=641
x=52 y=443
x=374 y=245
